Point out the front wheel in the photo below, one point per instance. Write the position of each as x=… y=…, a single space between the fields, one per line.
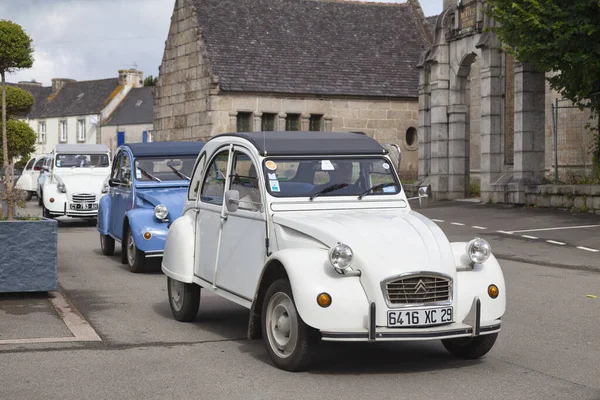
x=184 y=299
x=291 y=344
x=470 y=347
x=135 y=258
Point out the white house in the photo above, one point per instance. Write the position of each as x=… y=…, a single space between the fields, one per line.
x=73 y=111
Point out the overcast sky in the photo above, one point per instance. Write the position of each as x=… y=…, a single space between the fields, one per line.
x=93 y=39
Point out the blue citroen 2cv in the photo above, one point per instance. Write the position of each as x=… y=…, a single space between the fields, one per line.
x=148 y=186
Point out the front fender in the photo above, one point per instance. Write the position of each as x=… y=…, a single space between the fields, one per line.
x=178 y=256
x=142 y=220
x=310 y=274
x=473 y=282
x=104 y=214
x=60 y=199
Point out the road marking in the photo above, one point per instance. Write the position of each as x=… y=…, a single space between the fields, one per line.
x=478 y=227
x=587 y=249
x=437 y=220
x=529 y=237
x=505 y=232
x=556 y=229
x=457 y=223
x=555 y=242
x=79 y=327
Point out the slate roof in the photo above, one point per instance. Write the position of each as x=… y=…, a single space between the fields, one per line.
x=74 y=98
x=161 y=149
x=137 y=108
x=312 y=47
x=299 y=143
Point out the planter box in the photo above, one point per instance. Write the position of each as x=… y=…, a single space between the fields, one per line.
x=28 y=256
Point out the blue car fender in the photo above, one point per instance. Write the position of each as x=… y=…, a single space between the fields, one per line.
x=142 y=220
x=104 y=214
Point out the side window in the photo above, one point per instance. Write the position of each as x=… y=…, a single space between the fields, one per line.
x=38 y=164
x=213 y=186
x=116 y=165
x=244 y=179
x=126 y=169
x=29 y=164
x=196 y=179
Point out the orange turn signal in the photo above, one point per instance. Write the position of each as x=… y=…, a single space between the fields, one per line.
x=147 y=235
x=51 y=199
x=493 y=291
x=324 y=300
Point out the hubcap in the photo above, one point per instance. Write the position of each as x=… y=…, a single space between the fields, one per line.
x=176 y=294
x=282 y=325
x=131 y=249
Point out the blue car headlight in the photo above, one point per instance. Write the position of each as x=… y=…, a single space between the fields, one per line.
x=161 y=211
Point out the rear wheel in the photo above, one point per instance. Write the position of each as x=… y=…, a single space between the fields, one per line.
x=107 y=244
x=28 y=195
x=470 y=347
x=184 y=299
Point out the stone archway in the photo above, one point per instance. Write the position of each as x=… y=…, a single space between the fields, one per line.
x=446 y=153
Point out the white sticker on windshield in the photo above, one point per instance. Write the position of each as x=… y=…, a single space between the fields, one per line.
x=326 y=165
x=138 y=174
x=389 y=189
x=386 y=165
x=274 y=186
x=272 y=176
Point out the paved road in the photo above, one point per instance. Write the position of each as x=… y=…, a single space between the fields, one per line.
x=548 y=348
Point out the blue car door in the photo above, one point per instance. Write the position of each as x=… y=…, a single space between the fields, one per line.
x=121 y=195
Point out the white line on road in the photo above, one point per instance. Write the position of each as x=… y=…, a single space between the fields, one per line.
x=555 y=229
x=457 y=223
x=529 y=237
x=437 y=220
x=587 y=249
x=479 y=227
x=505 y=232
x=555 y=242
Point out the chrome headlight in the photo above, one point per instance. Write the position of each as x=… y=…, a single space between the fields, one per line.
x=479 y=250
x=340 y=257
x=61 y=187
x=161 y=211
x=105 y=188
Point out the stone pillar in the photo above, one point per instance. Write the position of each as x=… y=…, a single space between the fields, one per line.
x=424 y=166
x=439 y=130
x=281 y=121
x=233 y=121
x=328 y=124
x=491 y=120
x=530 y=90
x=257 y=122
x=458 y=152
x=305 y=122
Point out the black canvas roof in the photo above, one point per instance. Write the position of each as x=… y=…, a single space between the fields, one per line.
x=313 y=47
x=302 y=143
x=165 y=148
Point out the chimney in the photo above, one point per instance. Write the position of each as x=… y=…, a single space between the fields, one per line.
x=30 y=83
x=58 y=83
x=131 y=77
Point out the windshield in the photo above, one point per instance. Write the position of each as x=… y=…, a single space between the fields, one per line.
x=160 y=169
x=81 y=160
x=289 y=177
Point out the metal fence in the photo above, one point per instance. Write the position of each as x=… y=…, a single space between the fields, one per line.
x=572 y=141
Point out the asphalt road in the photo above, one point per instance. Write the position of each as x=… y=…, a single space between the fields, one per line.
x=548 y=349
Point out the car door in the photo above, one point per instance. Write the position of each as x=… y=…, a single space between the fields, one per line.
x=208 y=220
x=121 y=202
x=242 y=250
x=35 y=174
x=113 y=193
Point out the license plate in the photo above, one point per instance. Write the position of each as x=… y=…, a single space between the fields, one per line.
x=425 y=317
x=84 y=206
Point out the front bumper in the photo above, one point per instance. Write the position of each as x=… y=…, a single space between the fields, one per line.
x=64 y=209
x=471 y=326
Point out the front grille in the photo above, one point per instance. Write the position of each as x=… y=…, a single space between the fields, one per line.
x=83 y=198
x=418 y=289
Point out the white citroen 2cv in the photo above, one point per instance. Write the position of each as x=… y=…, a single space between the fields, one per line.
x=313 y=232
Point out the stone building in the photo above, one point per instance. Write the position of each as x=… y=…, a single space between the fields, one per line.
x=251 y=65
x=485 y=118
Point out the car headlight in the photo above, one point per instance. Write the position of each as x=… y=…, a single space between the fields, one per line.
x=340 y=257
x=61 y=187
x=161 y=211
x=105 y=188
x=479 y=250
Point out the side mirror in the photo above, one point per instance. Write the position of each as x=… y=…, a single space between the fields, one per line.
x=232 y=200
x=113 y=182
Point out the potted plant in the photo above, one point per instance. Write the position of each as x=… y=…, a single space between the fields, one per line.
x=29 y=244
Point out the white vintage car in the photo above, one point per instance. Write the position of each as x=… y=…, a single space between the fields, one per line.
x=77 y=178
x=313 y=232
x=28 y=181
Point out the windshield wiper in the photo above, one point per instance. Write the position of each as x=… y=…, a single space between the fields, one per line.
x=329 y=189
x=181 y=175
x=148 y=174
x=379 y=186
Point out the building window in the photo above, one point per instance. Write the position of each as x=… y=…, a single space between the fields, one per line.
x=315 y=122
x=244 y=120
x=42 y=131
x=292 y=122
x=81 y=130
x=411 y=136
x=268 y=122
x=62 y=131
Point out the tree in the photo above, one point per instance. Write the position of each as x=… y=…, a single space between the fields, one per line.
x=16 y=53
x=20 y=138
x=559 y=36
x=150 y=81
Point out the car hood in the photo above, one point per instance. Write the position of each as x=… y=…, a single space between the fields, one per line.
x=172 y=197
x=82 y=181
x=384 y=242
